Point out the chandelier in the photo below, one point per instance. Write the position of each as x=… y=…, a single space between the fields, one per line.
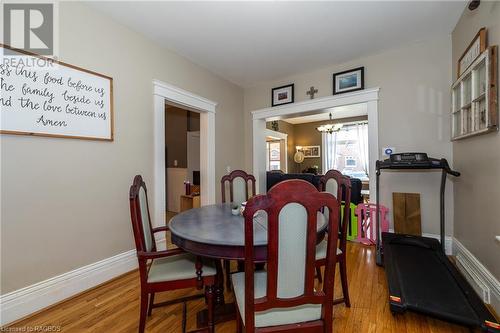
x=330 y=128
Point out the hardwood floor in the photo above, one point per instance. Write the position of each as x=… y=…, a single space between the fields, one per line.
x=114 y=307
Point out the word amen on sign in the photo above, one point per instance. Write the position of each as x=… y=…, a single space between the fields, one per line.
x=40 y=96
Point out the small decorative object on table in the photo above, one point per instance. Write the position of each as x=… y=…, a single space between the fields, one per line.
x=282 y=95
x=187 y=186
x=347 y=81
x=242 y=208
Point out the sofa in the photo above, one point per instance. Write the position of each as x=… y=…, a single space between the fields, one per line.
x=274 y=177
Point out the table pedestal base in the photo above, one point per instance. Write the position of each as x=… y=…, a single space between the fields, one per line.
x=223 y=313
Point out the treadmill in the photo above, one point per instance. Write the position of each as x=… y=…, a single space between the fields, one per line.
x=420 y=276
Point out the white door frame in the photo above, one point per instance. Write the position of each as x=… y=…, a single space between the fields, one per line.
x=166 y=93
x=309 y=107
x=280 y=136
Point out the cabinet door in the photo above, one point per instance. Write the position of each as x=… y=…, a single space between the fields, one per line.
x=407 y=217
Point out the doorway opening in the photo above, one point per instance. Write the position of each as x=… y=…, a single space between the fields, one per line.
x=344 y=147
x=356 y=111
x=182 y=158
x=164 y=93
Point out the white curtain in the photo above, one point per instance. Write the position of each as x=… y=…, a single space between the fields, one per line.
x=329 y=151
x=363 y=145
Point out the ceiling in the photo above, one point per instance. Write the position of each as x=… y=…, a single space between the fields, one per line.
x=252 y=42
x=354 y=110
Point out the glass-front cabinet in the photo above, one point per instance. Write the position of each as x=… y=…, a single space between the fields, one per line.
x=474 y=98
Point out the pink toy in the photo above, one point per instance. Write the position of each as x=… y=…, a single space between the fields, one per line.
x=367 y=230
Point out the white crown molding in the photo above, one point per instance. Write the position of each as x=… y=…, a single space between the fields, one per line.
x=310 y=105
x=183 y=97
x=480 y=278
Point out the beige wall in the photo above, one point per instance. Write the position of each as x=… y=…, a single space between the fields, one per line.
x=65 y=201
x=414 y=83
x=477 y=191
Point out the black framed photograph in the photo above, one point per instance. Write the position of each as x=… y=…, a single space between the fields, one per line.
x=282 y=95
x=347 y=81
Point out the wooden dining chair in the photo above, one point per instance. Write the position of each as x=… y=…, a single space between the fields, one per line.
x=283 y=298
x=238 y=186
x=237 y=182
x=339 y=186
x=165 y=270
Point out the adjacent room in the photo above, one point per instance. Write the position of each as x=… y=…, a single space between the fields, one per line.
x=255 y=166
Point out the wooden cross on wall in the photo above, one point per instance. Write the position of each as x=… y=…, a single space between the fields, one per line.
x=311 y=92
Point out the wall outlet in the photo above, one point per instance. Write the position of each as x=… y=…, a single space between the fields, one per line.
x=175 y=163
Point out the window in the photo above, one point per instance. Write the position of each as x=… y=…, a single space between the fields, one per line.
x=350 y=162
x=273 y=155
x=347 y=150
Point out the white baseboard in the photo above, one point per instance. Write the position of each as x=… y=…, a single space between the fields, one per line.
x=22 y=302
x=483 y=282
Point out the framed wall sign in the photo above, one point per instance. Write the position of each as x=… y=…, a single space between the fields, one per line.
x=310 y=151
x=282 y=95
x=473 y=51
x=44 y=97
x=347 y=81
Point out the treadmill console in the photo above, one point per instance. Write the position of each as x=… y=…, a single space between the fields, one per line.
x=410 y=159
x=406 y=161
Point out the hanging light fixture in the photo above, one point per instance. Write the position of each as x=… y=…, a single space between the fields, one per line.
x=330 y=128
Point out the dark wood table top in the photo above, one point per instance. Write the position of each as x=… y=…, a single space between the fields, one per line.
x=212 y=231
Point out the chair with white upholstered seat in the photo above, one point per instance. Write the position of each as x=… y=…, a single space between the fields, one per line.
x=340 y=186
x=283 y=298
x=237 y=182
x=165 y=270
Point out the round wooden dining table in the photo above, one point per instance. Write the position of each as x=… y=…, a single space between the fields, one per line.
x=213 y=232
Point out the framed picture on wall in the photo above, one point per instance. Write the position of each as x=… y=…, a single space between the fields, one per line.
x=310 y=151
x=347 y=81
x=282 y=95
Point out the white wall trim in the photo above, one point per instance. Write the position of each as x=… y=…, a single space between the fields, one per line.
x=22 y=302
x=308 y=107
x=162 y=93
x=480 y=278
x=183 y=97
x=311 y=105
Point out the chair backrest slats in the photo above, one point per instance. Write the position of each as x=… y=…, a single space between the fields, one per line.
x=292 y=247
x=139 y=214
x=293 y=208
x=339 y=185
x=238 y=186
x=146 y=227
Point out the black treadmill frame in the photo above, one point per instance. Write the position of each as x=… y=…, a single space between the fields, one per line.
x=393 y=278
x=434 y=164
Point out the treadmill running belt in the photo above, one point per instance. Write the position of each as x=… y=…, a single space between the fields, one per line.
x=421 y=278
x=429 y=285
